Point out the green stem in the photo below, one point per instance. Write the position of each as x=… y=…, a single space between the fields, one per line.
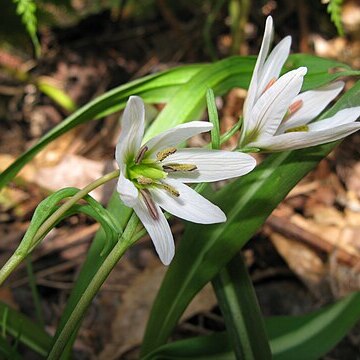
x=34 y=291
x=19 y=256
x=210 y=19
x=52 y=219
x=126 y=240
x=239 y=13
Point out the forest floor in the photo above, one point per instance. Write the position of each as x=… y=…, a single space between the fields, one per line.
x=306 y=255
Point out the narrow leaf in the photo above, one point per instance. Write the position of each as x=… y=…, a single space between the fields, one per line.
x=214 y=119
x=307 y=337
x=28 y=332
x=240 y=308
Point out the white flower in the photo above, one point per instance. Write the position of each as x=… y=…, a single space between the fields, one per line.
x=277 y=117
x=152 y=175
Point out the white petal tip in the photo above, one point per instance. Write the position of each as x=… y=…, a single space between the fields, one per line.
x=166 y=258
x=216 y=217
x=339 y=84
x=269 y=21
x=136 y=101
x=302 y=70
x=135 y=98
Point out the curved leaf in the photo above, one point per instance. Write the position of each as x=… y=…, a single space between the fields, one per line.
x=291 y=337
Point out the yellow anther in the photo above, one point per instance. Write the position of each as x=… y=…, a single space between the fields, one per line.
x=179 y=167
x=142 y=180
x=163 y=154
x=303 y=128
x=168 y=188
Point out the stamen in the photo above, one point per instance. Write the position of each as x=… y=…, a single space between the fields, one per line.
x=141 y=153
x=150 y=204
x=303 y=128
x=294 y=107
x=179 y=167
x=270 y=84
x=163 y=154
x=168 y=188
x=143 y=180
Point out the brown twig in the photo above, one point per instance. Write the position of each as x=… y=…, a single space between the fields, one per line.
x=284 y=227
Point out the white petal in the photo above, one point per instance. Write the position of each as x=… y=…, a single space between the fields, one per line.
x=133 y=124
x=212 y=165
x=264 y=50
x=127 y=191
x=299 y=140
x=189 y=205
x=274 y=63
x=273 y=104
x=159 y=231
x=342 y=117
x=314 y=102
x=177 y=135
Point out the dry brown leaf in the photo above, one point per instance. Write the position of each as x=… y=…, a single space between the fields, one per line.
x=72 y=170
x=7 y=297
x=304 y=262
x=325 y=215
x=129 y=323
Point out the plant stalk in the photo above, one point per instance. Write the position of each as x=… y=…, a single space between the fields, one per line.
x=18 y=257
x=126 y=240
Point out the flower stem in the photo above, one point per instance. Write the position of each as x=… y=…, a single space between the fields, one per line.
x=126 y=240
x=52 y=219
x=20 y=253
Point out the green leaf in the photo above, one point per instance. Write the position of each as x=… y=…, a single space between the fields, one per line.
x=56 y=94
x=214 y=119
x=291 y=337
x=240 y=308
x=7 y=351
x=247 y=202
x=26 y=9
x=27 y=331
x=334 y=9
x=320 y=71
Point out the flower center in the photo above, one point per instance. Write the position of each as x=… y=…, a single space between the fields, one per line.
x=148 y=173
